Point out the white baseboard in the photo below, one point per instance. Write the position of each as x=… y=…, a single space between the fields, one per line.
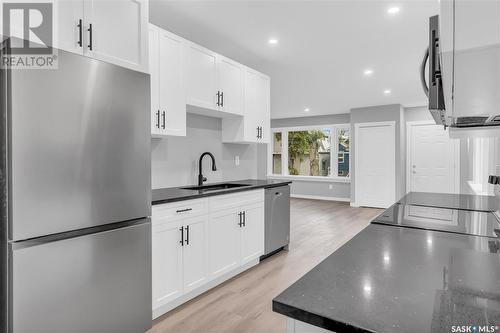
x=317 y=197
x=353 y=204
x=161 y=310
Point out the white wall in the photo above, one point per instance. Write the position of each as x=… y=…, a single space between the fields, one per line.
x=174 y=160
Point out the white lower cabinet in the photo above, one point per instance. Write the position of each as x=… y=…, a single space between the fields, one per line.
x=195 y=253
x=166 y=261
x=252 y=233
x=224 y=242
x=198 y=244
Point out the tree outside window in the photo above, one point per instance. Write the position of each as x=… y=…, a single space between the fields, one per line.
x=309 y=152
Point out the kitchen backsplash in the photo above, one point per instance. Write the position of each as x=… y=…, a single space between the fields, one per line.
x=174 y=160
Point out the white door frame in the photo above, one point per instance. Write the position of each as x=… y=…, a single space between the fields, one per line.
x=392 y=124
x=456 y=145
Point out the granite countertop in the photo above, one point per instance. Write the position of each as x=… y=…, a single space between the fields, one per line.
x=172 y=194
x=395 y=279
x=482 y=203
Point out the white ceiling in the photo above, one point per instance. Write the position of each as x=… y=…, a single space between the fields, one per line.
x=323 y=48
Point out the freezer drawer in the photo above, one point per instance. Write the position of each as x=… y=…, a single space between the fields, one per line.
x=277 y=205
x=95 y=283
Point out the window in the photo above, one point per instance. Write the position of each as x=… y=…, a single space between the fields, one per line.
x=276 y=158
x=320 y=152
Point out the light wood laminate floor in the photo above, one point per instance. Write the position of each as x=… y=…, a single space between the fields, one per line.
x=243 y=303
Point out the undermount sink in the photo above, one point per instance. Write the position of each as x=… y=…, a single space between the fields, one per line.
x=214 y=187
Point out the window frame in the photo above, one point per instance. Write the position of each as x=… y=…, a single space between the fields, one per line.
x=334 y=151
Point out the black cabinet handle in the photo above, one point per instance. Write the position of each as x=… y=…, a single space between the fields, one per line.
x=258 y=132
x=261 y=132
x=90 y=36
x=182 y=236
x=240 y=214
x=164 y=119
x=183 y=210
x=222 y=99
x=187 y=235
x=244 y=218
x=80 y=33
x=218 y=98
x=158 y=119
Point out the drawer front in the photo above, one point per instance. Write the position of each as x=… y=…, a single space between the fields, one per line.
x=180 y=210
x=235 y=199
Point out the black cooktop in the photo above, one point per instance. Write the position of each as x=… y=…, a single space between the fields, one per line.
x=484 y=203
x=464 y=222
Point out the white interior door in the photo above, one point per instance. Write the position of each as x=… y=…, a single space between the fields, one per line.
x=433 y=159
x=375 y=164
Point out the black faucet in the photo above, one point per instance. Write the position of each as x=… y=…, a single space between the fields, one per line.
x=201 y=179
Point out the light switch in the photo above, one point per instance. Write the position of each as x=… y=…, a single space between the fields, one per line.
x=237 y=160
x=330 y=186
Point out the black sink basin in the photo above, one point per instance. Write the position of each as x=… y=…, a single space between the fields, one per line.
x=214 y=187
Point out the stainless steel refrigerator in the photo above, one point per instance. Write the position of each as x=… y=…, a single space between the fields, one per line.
x=75 y=173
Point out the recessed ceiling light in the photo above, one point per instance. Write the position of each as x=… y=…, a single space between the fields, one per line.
x=307 y=110
x=273 y=41
x=368 y=72
x=393 y=10
x=387 y=92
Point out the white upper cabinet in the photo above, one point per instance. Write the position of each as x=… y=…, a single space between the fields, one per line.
x=68 y=25
x=255 y=125
x=117 y=32
x=186 y=77
x=201 y=72
x=230 y=79
x=168 y=99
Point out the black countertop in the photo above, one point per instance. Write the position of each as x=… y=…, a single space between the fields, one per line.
x=172 y=194
x=466 y=222
x=458 y=201
x=395 y=279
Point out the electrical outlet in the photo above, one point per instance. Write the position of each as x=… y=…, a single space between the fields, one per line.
x=330 y=186
x=237 y=160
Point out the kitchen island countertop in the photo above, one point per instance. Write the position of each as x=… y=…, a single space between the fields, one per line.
x=393 y=279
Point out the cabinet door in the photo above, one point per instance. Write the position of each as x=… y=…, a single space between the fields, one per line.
x=223 y=242
x=252 y=233
x=201 y=77
x=166 y=261
x=230 y=75
x=195 y=253
x=172 y=92
x=262 y=108
x=119 y=32
x=154 y=71
x=251 y=109
x=66 y=25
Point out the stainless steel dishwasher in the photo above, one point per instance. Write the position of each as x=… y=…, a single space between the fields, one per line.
x=277 y=219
